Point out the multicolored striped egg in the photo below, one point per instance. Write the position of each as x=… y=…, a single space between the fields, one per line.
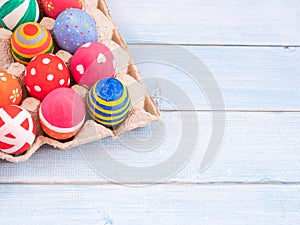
x=13 y=13
x=109 y=102
x=17 y=129
x=30 y=40
x=62 y=113
x=73 y=28
x=53 y=8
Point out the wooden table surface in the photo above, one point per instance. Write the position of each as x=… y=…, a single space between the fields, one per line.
x=252 y=50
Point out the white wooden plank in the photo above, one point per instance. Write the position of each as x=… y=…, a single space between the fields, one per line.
x=257 y=147
x=249 y=78
x=208 y=22
x=159 y=204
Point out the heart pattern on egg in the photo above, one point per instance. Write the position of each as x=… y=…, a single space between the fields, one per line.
x=101 y=58
x=80 y=69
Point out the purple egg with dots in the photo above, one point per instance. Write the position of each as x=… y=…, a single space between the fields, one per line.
x=73 y=28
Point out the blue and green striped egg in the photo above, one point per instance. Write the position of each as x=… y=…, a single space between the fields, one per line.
x=109 y=102
x=14 y=13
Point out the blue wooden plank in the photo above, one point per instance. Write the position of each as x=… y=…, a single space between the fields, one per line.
x=208 y=22
x=257 y=148
x=159 y=204
x=248 y=78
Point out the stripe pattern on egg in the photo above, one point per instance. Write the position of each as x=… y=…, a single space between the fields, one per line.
x=14 y=13
x=109 y=102
x=30 y=40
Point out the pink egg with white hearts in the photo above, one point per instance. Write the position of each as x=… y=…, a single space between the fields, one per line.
x=92 y=62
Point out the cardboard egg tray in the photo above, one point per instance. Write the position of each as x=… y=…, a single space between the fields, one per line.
x=143 y=112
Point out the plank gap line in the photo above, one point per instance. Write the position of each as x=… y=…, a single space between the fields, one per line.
x=214 y=45
x=151 y=184
x=234 y=111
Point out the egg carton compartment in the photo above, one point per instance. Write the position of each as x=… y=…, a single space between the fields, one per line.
x=144 y=109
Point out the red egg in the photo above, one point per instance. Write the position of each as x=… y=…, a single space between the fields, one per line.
x=62 y=113
x=45 y=73
x=17 y=129
x=53 y=8
x=92 y=62
x=10 y=89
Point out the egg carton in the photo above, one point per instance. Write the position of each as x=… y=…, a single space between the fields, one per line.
x=144 y=109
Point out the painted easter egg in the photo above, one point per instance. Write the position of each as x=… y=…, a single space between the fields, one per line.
x=10 y=89
x=109 y=102
x=53 y=8
x=93 y=61
x=62 y=113
x=73 y=28
x=30 y=40
x=45 y=73
x=13 y=13
x=17 y=129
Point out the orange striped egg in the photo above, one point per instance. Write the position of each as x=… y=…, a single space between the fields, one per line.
x=30 y=40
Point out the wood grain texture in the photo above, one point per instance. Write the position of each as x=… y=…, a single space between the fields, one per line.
x=249 y=78
x=159 y=204
x=257 y=148
x=230 y=22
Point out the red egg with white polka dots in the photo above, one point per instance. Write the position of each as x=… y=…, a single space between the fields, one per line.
x=92 y=62
x=44 y=74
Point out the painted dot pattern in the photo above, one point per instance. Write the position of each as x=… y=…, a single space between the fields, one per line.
x=60 y=66
x=53 y=8
x=46 y=73
x=33 y=72
x=50 y=77
x=37 y=88
x=46 y=61
x=73 y=28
